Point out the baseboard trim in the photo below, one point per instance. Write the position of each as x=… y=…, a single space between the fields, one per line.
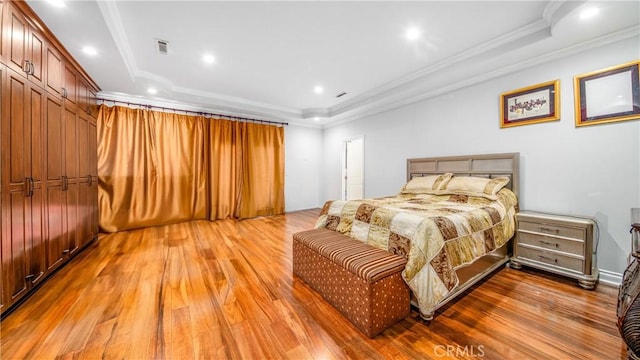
x=610 y=278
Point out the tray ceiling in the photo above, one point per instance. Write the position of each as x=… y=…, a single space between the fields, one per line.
x=269 y=56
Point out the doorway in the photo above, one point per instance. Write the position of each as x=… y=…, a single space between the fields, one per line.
x=353 y=169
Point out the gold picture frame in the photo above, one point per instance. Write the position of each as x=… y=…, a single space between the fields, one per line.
x=608 y=95
x=530 y=105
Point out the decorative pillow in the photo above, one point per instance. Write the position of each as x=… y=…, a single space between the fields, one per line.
x=476 y=186
x=429 y=184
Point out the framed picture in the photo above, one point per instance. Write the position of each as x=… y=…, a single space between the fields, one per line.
x=530 y=105
x=608 y=95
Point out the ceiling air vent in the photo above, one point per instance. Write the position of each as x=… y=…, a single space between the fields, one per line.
x=162 y=46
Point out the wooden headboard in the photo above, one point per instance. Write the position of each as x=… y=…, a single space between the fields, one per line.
x=487 y=165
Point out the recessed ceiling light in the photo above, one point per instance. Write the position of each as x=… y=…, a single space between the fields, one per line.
x=208 y=59
x=589 y=13
x=412 y=33
x=318 y=89
x=152 y=91
x=90 y=50
x=56 y=3
x=316 y=119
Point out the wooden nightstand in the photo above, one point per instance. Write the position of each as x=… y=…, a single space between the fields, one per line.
x=559 y=244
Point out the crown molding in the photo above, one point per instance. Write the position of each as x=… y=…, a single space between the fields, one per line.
x=406 y=90
x=111 y=15
x=394 y=100
x=553 y=12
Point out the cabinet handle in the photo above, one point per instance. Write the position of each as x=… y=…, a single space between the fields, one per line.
x=555 y=261
x=90 y=179
x=549 y=243
x=32 y=68
x=65 y=183
x=28 y=186
x=64 y=93
x=26 y=66
x=29 y=277
x=548 y=230
x=65 y=251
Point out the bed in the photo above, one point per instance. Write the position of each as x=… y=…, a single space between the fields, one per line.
x=452 y=220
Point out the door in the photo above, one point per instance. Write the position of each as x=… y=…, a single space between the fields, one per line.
x=71 y=184
x=54 y=82
x=16 y=150
x=84 y=187
x=24 y=47
x=2 y=235
x=54 y=183
x=35 y=53
x=35 y=205
x=16 y=39
x=93 y=180
x=353 y=169
x=70 y=86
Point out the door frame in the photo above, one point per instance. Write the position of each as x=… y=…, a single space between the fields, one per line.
x=344 y=164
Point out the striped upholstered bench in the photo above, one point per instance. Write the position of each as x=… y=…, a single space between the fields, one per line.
x=362 y=282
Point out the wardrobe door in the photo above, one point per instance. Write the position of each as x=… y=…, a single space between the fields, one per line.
x=23 y=46
x=15 y=41
x=93 y=171
x=3 y=6
x=71 y=184
x=2 y=236
x=53 y=82
x=54 y=183
x=2 y=211
x=35 y=205
x=83 y=91
x=16 y=184
x=85 y=181
x=36 y=57
x=70 y=85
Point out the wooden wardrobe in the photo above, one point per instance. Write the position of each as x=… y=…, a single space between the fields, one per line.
x=48 y=167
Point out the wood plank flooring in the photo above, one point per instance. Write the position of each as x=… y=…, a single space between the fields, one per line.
x=224 y=290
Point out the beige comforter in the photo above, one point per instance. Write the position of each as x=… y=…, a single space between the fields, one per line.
x=438 y=234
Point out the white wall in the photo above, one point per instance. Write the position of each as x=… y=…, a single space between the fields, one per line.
x=303 y=173
x=591 y=171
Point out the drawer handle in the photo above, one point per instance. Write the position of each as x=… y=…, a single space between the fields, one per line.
x=548 y=243
x=548 y=230
x=542 y=257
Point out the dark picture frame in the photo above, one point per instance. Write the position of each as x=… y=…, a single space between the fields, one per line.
x=530 y=105
x=608 y=95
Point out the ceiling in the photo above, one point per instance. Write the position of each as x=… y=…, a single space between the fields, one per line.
x=270 y=55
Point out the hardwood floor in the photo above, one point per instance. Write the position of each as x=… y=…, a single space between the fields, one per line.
x=224 y=290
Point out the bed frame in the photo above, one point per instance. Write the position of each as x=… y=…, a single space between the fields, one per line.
x=488 y=166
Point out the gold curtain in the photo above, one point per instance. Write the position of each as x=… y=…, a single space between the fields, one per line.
x=158 y=168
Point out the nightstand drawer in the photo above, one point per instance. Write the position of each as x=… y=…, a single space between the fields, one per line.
x=551 y=242
x=550 y=258
x=553 y=229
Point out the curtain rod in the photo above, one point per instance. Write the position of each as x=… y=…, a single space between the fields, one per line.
x=202 y=113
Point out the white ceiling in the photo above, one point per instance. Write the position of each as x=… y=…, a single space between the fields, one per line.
x=270 y=55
